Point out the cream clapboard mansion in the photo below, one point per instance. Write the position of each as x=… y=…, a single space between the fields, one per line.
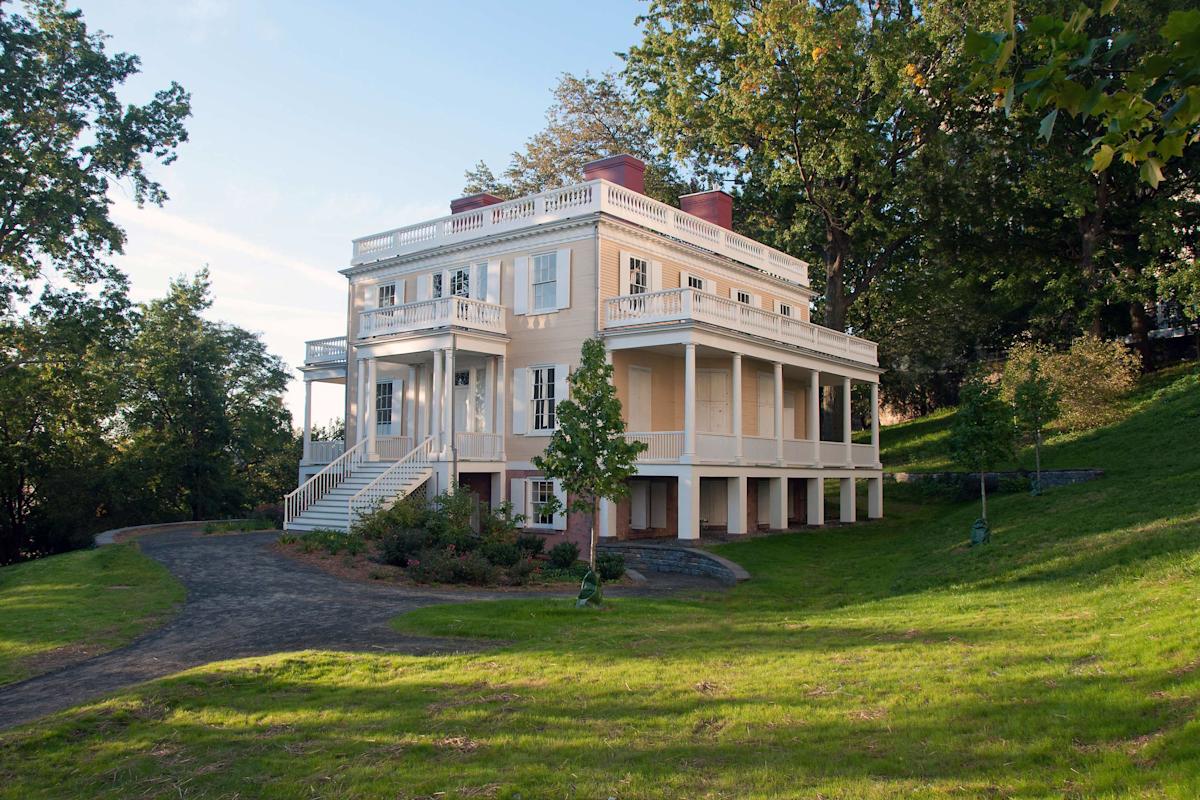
x=462 y=331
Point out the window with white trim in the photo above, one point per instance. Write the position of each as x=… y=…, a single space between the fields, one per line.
x=695 y=282
x=639 y=275
x=387 y=295
x=383 y=403
x=437 y=285
x=545 y=282
x=460 y=282
x=542 y=383
x=742 y=296
x=541 y=492
x=785 y=309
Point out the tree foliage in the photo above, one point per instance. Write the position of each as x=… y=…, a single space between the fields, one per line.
x=982 y=434
x=65 y=140
x=588 y=452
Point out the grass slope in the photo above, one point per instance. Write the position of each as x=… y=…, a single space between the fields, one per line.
x=880 y=660
x=66 y=607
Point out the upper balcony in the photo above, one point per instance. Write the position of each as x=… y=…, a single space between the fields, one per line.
x=592 y=197
x=325 y=352
x=693 y=305
x=425 y=315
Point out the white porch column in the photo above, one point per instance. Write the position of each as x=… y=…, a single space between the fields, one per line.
x=737 y=424
x=875 y=422
x=435 y=405
x=360 y=401
x=848 y=512
x=501 y=406
x=489 y=395
x=735 y=514
x=777 y=493
x=372 y=380
x=606 y=526
x=689 y=412
x=689 y=505
x=307 y=457
x=448 y=399
x=816 y=501
x=778 y=415
x=875 y=498
x=410 y=406
x=846 y=421
x=814 y=416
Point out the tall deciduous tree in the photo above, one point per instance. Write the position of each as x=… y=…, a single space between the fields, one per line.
x=588 y=452
x=982 y=433
x=590 y=118
x=1035 y=401
x=65 y=140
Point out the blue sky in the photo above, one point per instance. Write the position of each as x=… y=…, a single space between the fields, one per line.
x=316 y=123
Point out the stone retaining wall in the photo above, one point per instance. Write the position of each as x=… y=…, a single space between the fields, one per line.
x=1019 y=480
x=664 y=557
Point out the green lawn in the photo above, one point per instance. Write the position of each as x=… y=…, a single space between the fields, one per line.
x=62 y=608
x=881 y=660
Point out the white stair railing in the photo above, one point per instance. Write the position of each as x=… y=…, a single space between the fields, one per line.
x=325 y=481
x=416 y=465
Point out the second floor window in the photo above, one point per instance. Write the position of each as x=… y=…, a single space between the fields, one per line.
x=545 y=282
x=785 y=309
x=543 y=399
x=695 y=282
x=383 y=403
x=387 y=295
x=742 y=296
x=460 y=282
x=639 y=275
x=437 y=285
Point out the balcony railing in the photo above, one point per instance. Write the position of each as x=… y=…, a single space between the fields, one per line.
x=660 y=446
x=473 y=446
x=574 y=201
x=325 y=351
x=688 y=305
x=325 y=451
x=721 y=448
x=462 y=312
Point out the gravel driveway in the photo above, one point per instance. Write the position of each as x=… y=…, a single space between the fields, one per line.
x=244 y=599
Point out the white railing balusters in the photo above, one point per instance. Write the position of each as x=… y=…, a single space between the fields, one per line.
x=325 y=451
x=325 y=481
x=415 y=467
x=660 y=445
x=475 y=446
x=464 y=312
x=320 y=351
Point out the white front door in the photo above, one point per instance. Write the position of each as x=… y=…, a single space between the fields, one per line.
x=462 y=400
x=639 y=399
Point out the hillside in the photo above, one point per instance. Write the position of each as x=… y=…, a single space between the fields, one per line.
x=881 y=660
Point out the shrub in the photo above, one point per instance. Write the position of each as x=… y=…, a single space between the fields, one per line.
x=269 y=515
x=398 y=546
x=522 y=572
x=500 y=552
x=564 y=554
x=449 y=520
x=1090 y=377
x=610 y=566
x=500 y=523
x=471 y=567
x=431 y=565
x=411 y=512
x=531 y=544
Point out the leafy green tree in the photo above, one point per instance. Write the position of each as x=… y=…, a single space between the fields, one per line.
x=65 y=139
x=1036 y=405
x=207 y=427
x=590 y=118
x=588 y=452
x=982 y=433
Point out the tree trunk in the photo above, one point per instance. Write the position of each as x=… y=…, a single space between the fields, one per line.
x=592 y=541
x=836 y=303
x=1037 y=457
x=1139 y=329
x=983 y=493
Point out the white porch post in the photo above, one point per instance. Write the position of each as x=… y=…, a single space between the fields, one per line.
x=410 y=406
x=689 y=505
x=689 y=412
x=737 y=424
x=307 y=457
x=501 y=400
x=814 y=416
x=360 y=407
x=372 y=379
x=846 y=495
x=448 y=399
x=778 y=416
x=777 y=494
x=875 y=497
x=875 y=422
x=489 y=395
x=735 y=513
x=606 y=526
x=846 y=421
x=435 y=405
x=816 y=501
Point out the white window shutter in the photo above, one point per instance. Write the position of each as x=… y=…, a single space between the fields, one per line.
x=400 y=298
x=756 y=300
x=493 y=281
x=370 y=297
x=563 y=278
x=656 y=276
x=560 y=516
x=479 y=281
x=520 y=399
x=624 y=273
x=683 y=278
x=516 y=496
x=710 y=285
x=560 y=382
x=521 y=285
x=445 y=283
x=424 y=287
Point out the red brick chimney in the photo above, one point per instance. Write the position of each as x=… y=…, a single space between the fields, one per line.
x=712 y=206
x=473 y=201
x=623 y=169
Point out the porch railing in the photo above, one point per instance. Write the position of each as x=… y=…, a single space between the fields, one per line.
x=393 y=483
x=833 y=454
x=864 y=455
x=325 y=451
x=474 y=446
x=392 y=448
x=660 y=445
x=463 y=312
x=325 y=351
x=687 y=305
x=760 y=450
x=325 y=481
